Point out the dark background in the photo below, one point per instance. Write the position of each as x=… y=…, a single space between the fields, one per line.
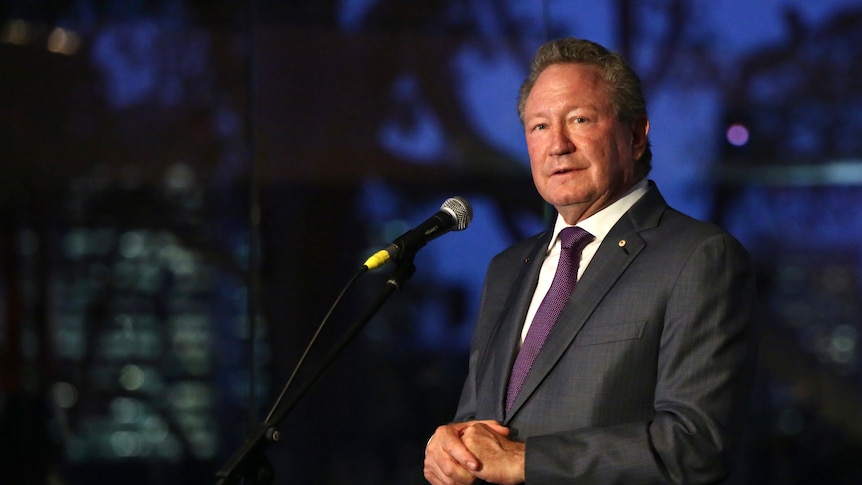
x=173 y=170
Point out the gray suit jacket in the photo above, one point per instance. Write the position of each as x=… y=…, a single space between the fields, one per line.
x=645 y=376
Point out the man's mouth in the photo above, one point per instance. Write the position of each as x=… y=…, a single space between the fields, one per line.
x=564 y=170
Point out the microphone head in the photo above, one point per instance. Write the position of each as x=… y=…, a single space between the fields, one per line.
x=460 y=210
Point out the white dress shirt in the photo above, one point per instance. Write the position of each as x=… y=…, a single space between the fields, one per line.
x=598 y=224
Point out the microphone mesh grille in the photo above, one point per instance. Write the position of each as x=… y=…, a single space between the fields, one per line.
x=461 y=210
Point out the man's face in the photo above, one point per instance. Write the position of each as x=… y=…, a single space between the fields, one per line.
x=581 y=155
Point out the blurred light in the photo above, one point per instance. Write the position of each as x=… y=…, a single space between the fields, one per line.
x=125 y=443
x=75 y=244
x=126 y=411
x=16 y=32
x=70 y=343
x=190 y=395
x=155 y=429
x=132 y=244
x=204 y=443
x=65 y=394
x=62 y=41
x=352 y=13
x=177 y=259
x=150 y=279
x=842 y=172
x=844 y=338
x=125 y=322
x=737 y=134
x=132 y=377
x=179 y=177
x=842 y=346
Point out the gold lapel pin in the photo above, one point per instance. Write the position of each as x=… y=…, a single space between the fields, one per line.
x=622 y=243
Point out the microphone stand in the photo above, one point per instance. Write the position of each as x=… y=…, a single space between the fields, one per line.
x=249 y=463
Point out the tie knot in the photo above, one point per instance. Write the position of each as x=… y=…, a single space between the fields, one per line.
x=574 y=236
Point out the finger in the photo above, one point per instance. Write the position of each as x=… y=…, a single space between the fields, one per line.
x=477 y=438
x=433 y=476
x=447 y=441
x=458 y=452
x=495 y=426
x=445 y=471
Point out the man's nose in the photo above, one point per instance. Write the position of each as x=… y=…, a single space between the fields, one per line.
x=561 y=142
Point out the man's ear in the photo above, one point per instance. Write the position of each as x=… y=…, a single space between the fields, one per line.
x=640 y=130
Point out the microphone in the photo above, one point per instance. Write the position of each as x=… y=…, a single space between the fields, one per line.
x=454 y=215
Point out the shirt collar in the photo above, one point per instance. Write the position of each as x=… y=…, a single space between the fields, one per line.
x=600 y=223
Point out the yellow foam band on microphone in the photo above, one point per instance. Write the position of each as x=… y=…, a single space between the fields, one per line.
x=377 y=259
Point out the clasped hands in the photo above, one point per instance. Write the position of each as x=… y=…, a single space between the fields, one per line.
x=460 y=453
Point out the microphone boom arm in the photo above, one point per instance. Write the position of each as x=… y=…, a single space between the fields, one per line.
x=249 y=462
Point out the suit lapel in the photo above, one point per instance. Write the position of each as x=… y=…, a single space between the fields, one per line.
x=503 y=343
x=619 y=248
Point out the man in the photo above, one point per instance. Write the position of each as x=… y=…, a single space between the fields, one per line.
x=644 y=375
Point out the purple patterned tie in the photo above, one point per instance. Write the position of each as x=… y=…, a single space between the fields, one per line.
x=573 y=241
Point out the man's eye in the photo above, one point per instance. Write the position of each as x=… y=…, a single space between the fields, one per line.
x=579 y=120
x=539 y=127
